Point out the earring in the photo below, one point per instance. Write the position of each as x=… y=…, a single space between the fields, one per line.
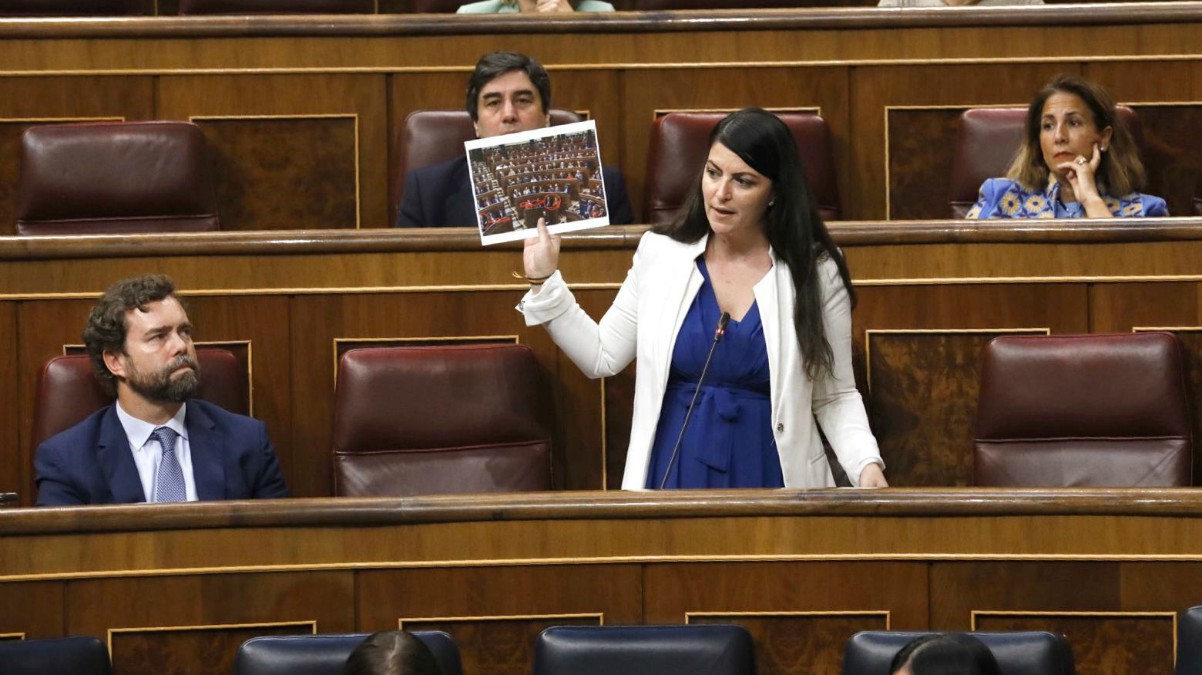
x=772 y=203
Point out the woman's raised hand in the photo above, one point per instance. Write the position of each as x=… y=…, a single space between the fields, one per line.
x=540 y=257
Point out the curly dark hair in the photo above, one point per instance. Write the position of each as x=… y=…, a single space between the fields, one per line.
x=107 y=328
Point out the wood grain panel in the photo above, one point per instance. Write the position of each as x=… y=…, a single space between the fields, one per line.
x=875 y=88
x=93 y=607
x=34 y=609
x=600 y=412
x=284 y=173
x=205 y=650
x=363 y=96
x=959 y=588
x=471 y=605
x=645 y=91
x=497 y=645
x=809 y=644
x=1103 y=643
x=897 y=590
x=14 y=468
x=921 y=145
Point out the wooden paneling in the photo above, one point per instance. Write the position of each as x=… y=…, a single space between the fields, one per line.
x=285 y=173
x=495 y=614
x=13 y=462
x=838 y=599
x=1102 y=642
x=34 y=609
x=186 y=650
x=230 y=96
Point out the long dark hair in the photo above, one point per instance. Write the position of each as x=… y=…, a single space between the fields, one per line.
x=794 y=228
x=1121 y=170
x=946 y=654
x=394 y=652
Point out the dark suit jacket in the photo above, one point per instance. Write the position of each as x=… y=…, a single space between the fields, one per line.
x=440 y=195
x=91 y=462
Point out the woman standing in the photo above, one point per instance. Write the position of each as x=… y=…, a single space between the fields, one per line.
x=750 y=247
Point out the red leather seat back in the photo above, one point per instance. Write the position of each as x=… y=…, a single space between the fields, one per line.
x=69 y=392
x=277 y=7
x=429 y=420
x=1083 y=410
x=986 y=143
x=679 y=147
x=114 y=178
x=75 y=7
x=433 y=136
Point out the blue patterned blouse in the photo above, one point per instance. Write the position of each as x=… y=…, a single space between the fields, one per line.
x=1004 y=198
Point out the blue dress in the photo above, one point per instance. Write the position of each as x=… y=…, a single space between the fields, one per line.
x=728 y=442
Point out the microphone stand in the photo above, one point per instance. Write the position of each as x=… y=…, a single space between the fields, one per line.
x=718 y=333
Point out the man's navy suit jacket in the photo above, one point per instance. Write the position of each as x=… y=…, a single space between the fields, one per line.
x=440 y=195
x=91 y=462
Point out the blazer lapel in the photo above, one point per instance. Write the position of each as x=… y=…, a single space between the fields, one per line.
x=116 y=460
x=680 y=280
x=205 y=442
x=776 y=312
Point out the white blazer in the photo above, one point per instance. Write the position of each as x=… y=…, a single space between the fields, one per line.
x=644 y=320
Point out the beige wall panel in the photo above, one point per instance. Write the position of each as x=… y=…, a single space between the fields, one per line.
x=645 y=91
x=873 y=88
x=182 y=97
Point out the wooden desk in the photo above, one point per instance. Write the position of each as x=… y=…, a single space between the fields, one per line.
x=802 y=570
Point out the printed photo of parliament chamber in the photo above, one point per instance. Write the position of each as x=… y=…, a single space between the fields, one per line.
x=992 y=212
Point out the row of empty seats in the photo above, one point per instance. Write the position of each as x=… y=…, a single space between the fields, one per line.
x=16 y=8
x=154 y=176
x=1056 y=411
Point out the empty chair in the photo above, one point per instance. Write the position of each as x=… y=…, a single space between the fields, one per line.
x=325 y=654
x=1189 y=642
x=1018 y=653
x=68 y=391
x=433 y=136
x=699 y=649
x=986 y=142
x=430 y=420
x=679 y=147
x=277 y=6
x=75 y=7
x=74 y=655
x=114 y=178
x=1083 y=410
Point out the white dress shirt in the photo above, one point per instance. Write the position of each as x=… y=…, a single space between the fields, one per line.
x=147 y=453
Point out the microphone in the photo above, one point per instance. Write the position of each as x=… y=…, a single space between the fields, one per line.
x=718 y=333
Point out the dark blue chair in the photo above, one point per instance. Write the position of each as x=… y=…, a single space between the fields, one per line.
x=1189 y=642
x=1018 y=653
x=74 y=655
x=704 y=649
x=325 y=654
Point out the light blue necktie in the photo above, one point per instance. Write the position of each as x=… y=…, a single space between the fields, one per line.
x=169 y=481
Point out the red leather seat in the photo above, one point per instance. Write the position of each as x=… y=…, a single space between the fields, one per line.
x=430 y=420
x=433 y=136
x=1083 y=410
x=277 y=7
x=679 y=147
x=69 y=392
x=75 y=7
x=986 y=142
x=114 y=178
